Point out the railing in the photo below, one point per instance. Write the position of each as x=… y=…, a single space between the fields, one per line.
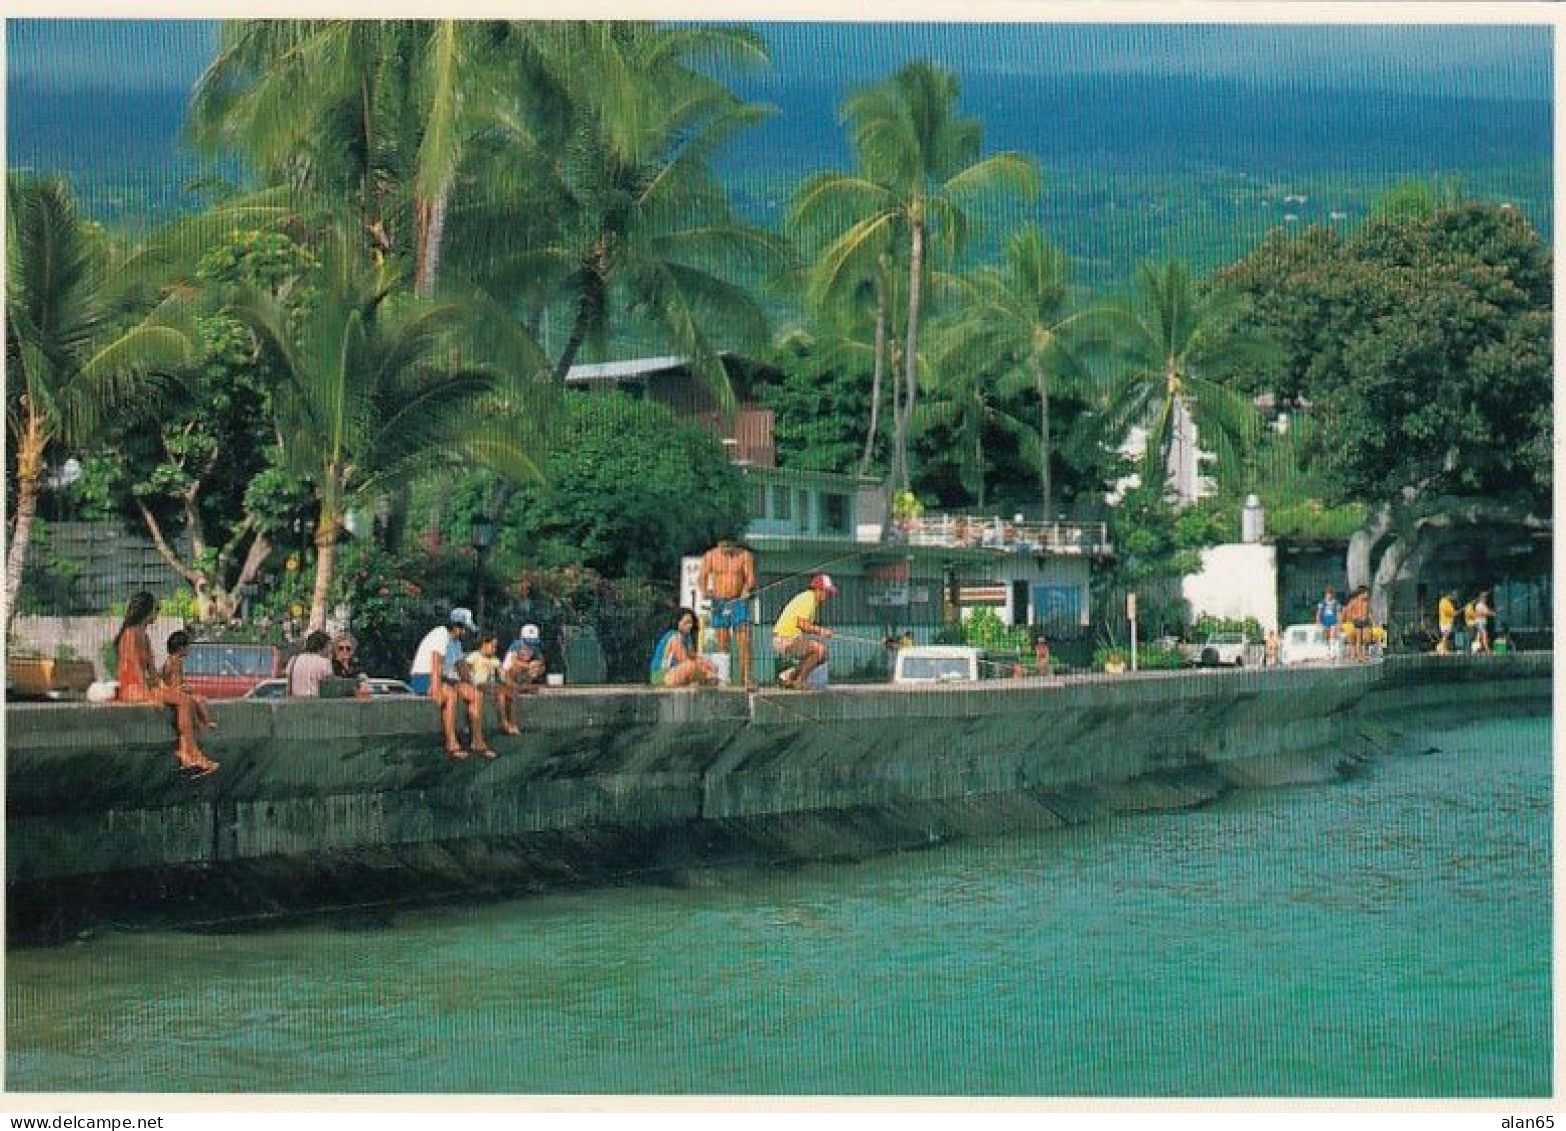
x=991 y=533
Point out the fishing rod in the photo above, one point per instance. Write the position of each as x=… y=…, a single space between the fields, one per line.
x=874 y=548
x=1006 y=664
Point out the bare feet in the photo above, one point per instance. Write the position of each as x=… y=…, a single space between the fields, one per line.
x=485 y=752
x=456 y=754
x=509 y=729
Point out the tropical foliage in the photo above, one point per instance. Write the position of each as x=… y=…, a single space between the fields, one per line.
x=77 y=349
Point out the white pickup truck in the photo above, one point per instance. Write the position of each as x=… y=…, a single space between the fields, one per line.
x=938 y=663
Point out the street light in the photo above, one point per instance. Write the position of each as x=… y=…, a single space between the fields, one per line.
x=482 y=536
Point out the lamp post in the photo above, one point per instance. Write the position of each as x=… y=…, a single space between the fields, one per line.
x=482 y=535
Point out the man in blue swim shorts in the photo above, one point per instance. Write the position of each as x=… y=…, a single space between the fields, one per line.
x=727 y=578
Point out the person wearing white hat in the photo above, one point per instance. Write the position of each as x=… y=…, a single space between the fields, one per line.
x=434 y=673
x=521 y=672
x=798 y=637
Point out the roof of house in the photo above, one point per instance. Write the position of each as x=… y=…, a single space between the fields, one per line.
x=629 y=369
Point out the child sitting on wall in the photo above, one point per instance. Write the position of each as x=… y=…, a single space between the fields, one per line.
x=173 y=675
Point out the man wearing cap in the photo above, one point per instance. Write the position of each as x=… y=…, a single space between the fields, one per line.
x=430 y=656
x=797 y=637
x=728 y=578
x=521 y=672
x=435 y=672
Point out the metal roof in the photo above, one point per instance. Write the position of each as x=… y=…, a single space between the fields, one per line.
x=624 y=370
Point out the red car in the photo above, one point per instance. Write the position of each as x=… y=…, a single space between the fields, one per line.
x=228 y=671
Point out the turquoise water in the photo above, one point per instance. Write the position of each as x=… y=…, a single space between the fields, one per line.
x=1384 y=935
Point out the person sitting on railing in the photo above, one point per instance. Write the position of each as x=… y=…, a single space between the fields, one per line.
x=139 y=682
x=675 y=661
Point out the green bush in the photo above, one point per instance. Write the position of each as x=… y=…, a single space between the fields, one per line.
x=985 y=629
x=1159 y=659
x=1206 y=625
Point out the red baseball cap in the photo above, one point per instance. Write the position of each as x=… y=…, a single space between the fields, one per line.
x=823 y=582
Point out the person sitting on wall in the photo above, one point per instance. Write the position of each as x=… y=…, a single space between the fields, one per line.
x=481 y=668
x=173 y=675
x=521 y=672
x=798 y=638
x=139 y=682
x=306 y=670
x=434 y=672
x=424 y=673
x=675 y=661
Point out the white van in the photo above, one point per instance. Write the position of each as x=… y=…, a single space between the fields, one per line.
x=937 y=663
x=1304 y=644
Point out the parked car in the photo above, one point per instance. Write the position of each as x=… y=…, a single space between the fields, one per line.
x=1304 y=644
x=379 y=689
x=937 y=663
x=1223 y=648
x=229 y=671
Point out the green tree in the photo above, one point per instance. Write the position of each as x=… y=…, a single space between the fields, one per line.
x=75 y=354
x=630 y=222
x=818 y=403
x=369 y=396
x=965 y=386
x=1180 y=348
x=207 y=469
x=1021 y=315
x=918 y=167
x=376 y=111
x=631 y=489
x=1422 y=348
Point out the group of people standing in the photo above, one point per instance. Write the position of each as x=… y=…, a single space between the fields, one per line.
x=1476 y=631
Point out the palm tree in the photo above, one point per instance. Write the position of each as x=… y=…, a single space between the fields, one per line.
x=73 y=355
x=1021 y=314
x=369 y=396
x=965 y=384
x=357 y=109
x=918 y=166
x=633 y=220
x=1177 y=344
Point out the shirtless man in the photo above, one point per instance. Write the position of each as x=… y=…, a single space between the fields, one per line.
x=728 y=578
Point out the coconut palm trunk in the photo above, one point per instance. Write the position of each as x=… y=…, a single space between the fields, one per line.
x=911 y=349
x=325 y=565
x=875 y=379
x=1045 y=493
x=432 y=235
x=29 y=469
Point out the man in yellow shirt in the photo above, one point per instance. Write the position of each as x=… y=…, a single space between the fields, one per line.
x=798 y=638
x=1446 y=618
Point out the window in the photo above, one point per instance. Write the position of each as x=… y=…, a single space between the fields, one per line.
x=758 y=502
x=782 y=504
x=834 y=514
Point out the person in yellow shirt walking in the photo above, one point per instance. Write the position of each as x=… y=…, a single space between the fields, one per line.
x=1446 y=619
x=798 y=638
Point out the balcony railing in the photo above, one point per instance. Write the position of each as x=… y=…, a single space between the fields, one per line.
x=990 y=533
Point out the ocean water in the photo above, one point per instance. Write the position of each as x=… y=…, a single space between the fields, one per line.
x=1384 y=935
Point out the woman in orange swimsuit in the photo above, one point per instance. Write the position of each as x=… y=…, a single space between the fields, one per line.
x=140 y=683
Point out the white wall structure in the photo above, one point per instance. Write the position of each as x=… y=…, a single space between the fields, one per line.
x=1237 y=580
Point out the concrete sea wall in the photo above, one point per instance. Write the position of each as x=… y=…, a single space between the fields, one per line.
x=341 y=803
